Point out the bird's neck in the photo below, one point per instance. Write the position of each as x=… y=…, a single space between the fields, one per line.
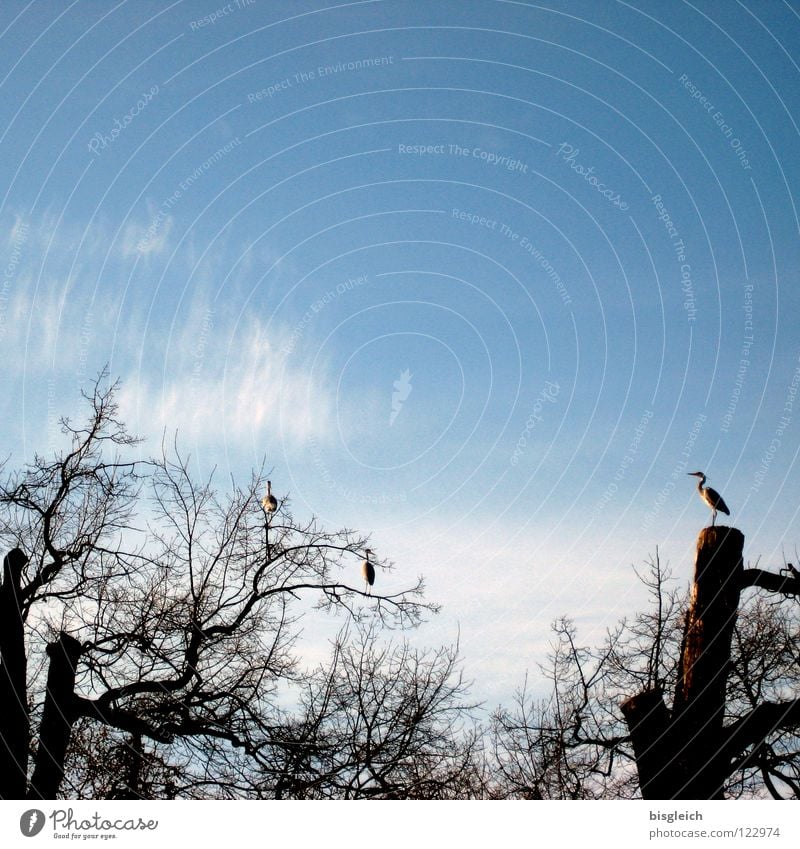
x=700 y=483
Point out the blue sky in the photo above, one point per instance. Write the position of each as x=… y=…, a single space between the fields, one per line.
x=484 y=279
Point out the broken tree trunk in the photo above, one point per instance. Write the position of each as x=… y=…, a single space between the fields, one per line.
x=698 y=709
x=14 y=718
x=682 y=755
x=58 y=717
x=648 y=722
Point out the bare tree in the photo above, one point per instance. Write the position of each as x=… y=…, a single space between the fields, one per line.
x=765 y=669
x=136 y=599
x=567 y=741
x=381 y=720
x=573 y=741
x=691 y=750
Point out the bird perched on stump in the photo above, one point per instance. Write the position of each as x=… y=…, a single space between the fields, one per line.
x=711 y=497
x=269 y=502
x=367 y=570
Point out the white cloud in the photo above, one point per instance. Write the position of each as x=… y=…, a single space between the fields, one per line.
x=146 y=237
x=232 y=388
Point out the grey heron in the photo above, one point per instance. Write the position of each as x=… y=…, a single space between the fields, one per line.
x=367 y=570
x=711 y=497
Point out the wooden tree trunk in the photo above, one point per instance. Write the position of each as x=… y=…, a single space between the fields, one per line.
x=14 y=719
x=58 y=717
x=680 y=756
x=699 y=705
x=648 y=722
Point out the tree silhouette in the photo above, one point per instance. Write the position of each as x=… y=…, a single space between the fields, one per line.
x=605 y=729
x=146 y=612
x=381 y=721
x=147 y=650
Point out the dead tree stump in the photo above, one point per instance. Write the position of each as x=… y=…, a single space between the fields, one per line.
x=681 y=755
x=699 y=706
x=58 y=717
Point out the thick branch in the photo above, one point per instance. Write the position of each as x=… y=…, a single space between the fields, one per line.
x=118 y=718
x=757 y=725
x=770 y=581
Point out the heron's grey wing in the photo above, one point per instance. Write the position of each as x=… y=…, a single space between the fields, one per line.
x=718 y=501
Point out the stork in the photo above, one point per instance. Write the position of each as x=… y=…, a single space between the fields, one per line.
x=711 y=497
x=269 y=502
x=367 y=571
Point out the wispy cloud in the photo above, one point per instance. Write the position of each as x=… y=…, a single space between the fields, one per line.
x=191 y=364
x=147 y=237
x=231 y=386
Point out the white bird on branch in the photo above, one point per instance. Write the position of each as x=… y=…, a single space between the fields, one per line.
x=269 y=502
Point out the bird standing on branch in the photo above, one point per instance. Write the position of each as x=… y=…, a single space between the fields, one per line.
x=711 y=497
x=367 y=571
x=269 y=502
